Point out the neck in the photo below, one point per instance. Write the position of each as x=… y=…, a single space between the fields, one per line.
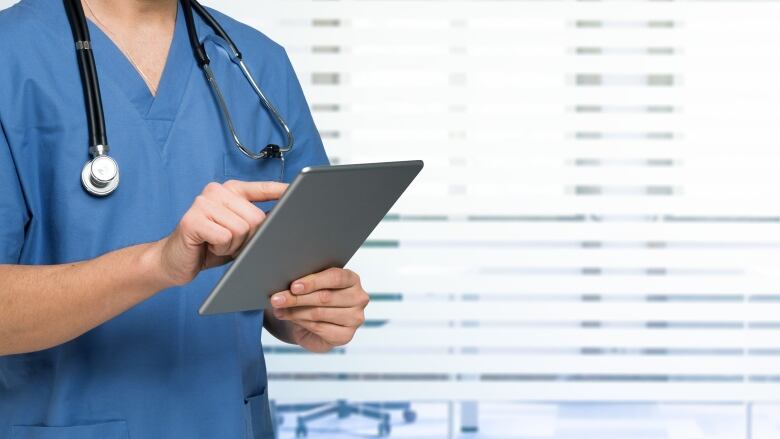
x=141 y=29
x=132 y=12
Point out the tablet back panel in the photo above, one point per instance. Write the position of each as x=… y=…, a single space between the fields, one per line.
x=320 y=222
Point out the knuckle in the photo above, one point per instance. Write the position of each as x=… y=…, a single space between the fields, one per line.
x=200 y=201
x=266 y=187
x=231 y=185
x=325 y=297
x=224 y=237
x=361 y=318
x=345 y=277
x=243 y=228
x=212 y=187
x=365 y=299
x=257 y=218
x=317 y=314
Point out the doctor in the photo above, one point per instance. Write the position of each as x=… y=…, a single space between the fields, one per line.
x=99 y=331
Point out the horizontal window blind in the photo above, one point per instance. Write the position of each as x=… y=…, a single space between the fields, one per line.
x=598 y=217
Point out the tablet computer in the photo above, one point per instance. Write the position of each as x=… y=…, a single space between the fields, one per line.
x=320 y=222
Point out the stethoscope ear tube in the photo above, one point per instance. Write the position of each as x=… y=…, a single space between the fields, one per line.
x=214 y=24
x=197 y=48
x=270 y=151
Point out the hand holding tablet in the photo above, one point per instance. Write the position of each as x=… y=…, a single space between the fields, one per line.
x=319 y=223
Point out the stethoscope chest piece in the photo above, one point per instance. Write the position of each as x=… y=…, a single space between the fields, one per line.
x=100 y=176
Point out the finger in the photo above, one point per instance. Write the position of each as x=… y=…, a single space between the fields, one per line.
x=240 y=206
x=199 y=229
x=334 y=335
x=239 y=229
x=257 y=190
x=345 y=298
x=350 y=317
x=332 y=278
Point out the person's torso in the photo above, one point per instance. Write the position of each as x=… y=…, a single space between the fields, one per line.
x=158 y=370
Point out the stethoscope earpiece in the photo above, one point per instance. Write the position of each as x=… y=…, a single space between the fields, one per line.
x=100 y=176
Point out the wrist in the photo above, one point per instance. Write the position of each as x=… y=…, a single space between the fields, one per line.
x=152 y=267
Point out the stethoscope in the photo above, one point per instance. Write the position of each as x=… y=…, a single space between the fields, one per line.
x=100 y=175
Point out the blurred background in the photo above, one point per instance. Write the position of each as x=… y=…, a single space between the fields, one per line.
x=592 y=248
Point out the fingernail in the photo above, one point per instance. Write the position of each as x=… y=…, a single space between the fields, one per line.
x=297 y=287
x=277 y=299
x=278 y=313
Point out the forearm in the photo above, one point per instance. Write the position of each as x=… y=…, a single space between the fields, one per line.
x=44 y=306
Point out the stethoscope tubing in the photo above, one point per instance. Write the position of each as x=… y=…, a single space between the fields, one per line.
x=93 y=176
x=202 y=57
x=88 y=74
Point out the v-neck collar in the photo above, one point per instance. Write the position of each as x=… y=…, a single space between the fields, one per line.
x=157 y=111
x=114 y=66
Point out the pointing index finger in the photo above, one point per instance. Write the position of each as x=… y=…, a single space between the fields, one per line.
x=257 y=190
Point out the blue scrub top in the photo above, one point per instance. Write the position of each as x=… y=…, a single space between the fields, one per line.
x=159 y=370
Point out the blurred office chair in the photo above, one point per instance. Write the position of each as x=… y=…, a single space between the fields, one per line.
x=381 y=411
